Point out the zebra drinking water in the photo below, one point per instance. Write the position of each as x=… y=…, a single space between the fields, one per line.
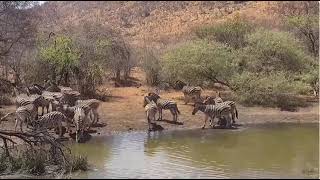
x=221 y=111
x=218 y=100
x=151 y=110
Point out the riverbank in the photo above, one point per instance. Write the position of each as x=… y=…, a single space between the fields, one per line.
x=124 y=112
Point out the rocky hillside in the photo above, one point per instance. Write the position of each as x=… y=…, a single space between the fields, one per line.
x=156 y=24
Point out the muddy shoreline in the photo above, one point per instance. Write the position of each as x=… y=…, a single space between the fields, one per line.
x=124 y=112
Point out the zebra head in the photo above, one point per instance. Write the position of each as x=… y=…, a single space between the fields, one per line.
x=153 y=96
x=209 y=100
x=197 y=107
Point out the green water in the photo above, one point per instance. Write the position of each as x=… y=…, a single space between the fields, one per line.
x=269 y=151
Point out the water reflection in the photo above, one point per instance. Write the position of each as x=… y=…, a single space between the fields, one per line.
x=282 y=151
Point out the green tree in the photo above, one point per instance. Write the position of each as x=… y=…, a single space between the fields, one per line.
x=269 y=51
x=62 y=58
x=199 y=61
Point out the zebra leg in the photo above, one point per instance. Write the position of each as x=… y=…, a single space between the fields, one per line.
x=148 y=119
x=60 y=130
x=15 y=126
x=185 y=99
x=205 y=121
x=160 y=114
x=21 y=126
x=211 y=122
x=173 y=114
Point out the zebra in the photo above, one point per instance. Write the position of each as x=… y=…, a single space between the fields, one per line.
x=34 y=102
x=24 y=114
x=51 y=120
x=93 y=104
x=35 y=89
x=211 y=111
x=67 y=98
x=151 y=110
x=81 y=122
x=218 y=100
x=163 y=104
x=191 y=92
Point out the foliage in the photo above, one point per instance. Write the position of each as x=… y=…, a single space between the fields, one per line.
x=199 y=61
x=77 y=163
x=274 y=90
x=61 y=55
x=151 y=65
x=230 y=32
x=269 y=51
x=307 y=29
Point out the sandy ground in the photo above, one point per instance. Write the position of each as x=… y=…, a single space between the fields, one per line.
x=124 y=112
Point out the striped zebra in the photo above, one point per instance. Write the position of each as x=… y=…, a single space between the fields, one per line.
x=68 y=98
x=151 y=111
x=93 y=104
x=52 y=120
x=33 y=104
x=191 y=92
x=81 y=122
x=24 y=114
x=218 y=100
x=220 y=111
x=36 y=100
x=163 y=104
x=35 y=89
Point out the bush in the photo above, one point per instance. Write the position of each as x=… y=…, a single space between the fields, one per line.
x=33 y=162
x=232 y=32
x=274 y=90
x=197 y=62
x=77 y=163
x=5 y=99
x=151 y=65
x=269 y=51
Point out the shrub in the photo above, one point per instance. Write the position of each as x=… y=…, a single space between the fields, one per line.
x=77 y=163
x=274 y=90
x=33 y=161
x=269 y=51
x=5 y=99
x=232 y=32
x=151 y=65
x=197 y=62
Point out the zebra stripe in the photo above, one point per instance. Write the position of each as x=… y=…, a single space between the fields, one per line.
x=164 y=104
x=191 y=92
x=23 y=115
x=81 y=122
x=151 y=110
x=90 y=104
x=35 y=89
x=51 y=120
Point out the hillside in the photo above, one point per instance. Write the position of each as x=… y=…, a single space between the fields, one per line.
x=156 y=24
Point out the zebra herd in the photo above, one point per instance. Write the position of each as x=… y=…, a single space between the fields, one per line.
x=225 y=112
x=66 y=108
